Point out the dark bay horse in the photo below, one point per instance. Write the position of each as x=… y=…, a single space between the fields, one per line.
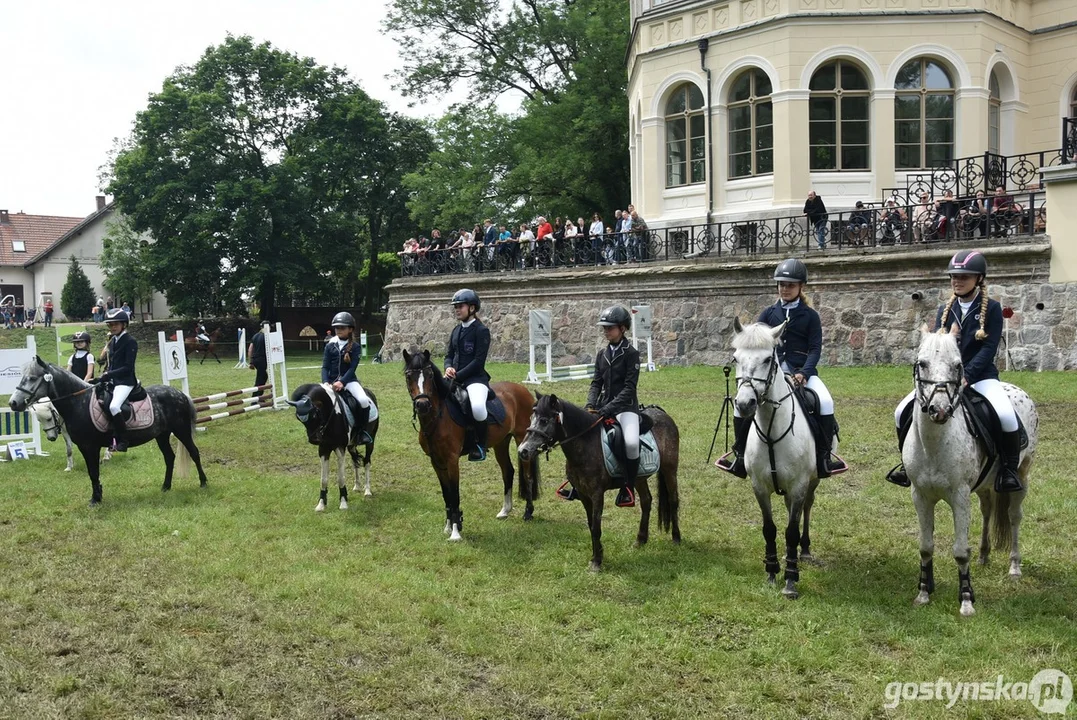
x=557 y=422
x=443 y=440
x=192 y=344
x=173 y=414
x=327 y=428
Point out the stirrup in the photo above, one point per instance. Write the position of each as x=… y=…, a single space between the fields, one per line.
x=898 y=476
x=621 y=494
x=477 y=454
x=567 y=494
x=838 y=469
x=735 y=467
x=1004 y=484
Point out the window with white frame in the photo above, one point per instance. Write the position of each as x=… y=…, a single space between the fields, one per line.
x=751 y=125
x=994 y=115
x=686 y=137
x=923 y=116
x=838 y=111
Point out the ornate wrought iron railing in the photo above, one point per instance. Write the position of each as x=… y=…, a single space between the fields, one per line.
x=1069 y=140
x=877 y=225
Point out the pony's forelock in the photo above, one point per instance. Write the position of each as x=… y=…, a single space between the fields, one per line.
x=933 y=343
x=757 y=336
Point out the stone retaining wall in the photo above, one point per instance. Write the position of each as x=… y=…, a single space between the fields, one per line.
x=872 y=305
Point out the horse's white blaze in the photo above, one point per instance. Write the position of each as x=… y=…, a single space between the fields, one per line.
x=506 y=508
x=455 y=536
x=422 y=383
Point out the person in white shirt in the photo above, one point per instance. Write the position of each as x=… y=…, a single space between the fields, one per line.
x=598 y=229
x=81 y=362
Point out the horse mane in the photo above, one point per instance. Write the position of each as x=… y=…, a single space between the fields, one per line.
x=757 y=336
x=420 y=360
x=941 y=343
x=575 y=417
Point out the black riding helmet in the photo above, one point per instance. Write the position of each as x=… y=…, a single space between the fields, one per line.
x=615 y=315
x=81 y=336
x=343 y=319
x=968 y=262
x=791 y=270
x=116 y=315
x=465 y=296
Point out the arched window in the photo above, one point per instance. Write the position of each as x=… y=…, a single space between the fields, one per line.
x=1073 y=103
x=751 y=126
x=686 y=137
x=923 y=116
x=838 y=118
x=994 y=114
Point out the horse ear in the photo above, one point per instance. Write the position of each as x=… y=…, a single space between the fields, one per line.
x=538 y=396
x=41 y=362
x=293 y=404
x=737 y=327
x=925 y=330
x=777 y=331
x=426 y=354
x=955 y=329
x=407 y=357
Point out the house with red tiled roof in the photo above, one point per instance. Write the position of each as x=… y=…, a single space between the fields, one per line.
x=36 y=250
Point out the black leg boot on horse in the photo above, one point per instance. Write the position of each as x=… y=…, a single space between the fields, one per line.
x=827 y=463
x=741 y=426
x=119 y=433
x=897 y=474
x=478 y=451
x=626 y=497
x=1009 y=450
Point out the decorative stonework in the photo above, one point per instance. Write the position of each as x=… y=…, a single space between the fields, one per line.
x=771 y=7
x=809 y=4
x=865 y=302
x=895 y=4
x=748 y=10
x=930 y=3
x=958 y=3
x=834 y=4
x=701 y=23
x=676 y=30
x=721 y=17
x=658 y=34
x=869 y=4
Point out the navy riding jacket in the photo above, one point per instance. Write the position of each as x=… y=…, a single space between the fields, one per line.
x=122 y=353
x=468 y=348
x=802 y=341
x=334 y=367
x=613 y=388
x=978 y=356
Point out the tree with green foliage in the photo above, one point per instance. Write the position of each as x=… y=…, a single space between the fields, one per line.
x=567 y=152
x=77 y=297
x=125 y=262
x=376 y=277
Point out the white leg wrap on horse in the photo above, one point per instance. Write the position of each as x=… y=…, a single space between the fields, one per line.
x=630 y=426
x=826 y=403
x=996 y=395
x=366 y=490
x=506 y=508
x=477 y=394
x=901 y=408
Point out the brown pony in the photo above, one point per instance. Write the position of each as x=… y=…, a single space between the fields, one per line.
x=192 y=344
x=443 y=440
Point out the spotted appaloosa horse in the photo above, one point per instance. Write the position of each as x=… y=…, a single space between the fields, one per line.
x=173 y=414
x=443 y=440
x=944 y=462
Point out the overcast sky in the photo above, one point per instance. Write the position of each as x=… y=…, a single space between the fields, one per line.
x=75 y=73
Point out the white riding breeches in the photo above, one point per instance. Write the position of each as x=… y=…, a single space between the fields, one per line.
x=815 y=384
x=362 y=398
x=477 y=394
x=119 y=395
x=992 y=390
x=203 y=338
x=629 y=422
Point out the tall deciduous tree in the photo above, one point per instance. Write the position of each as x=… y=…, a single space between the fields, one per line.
x=125 y=262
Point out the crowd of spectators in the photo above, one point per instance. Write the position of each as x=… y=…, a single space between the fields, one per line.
x=540 y=243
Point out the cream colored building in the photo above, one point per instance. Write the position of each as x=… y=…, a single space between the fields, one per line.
x=846 y=97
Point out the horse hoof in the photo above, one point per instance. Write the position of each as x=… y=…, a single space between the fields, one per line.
x=594 y=567
x=320 y=507
x=455 y=536
x=529 y=515
x=67 y=469
x=922 y=598
x=343 y=504
x=368 y=494
x=1015 y=571
x=640 y=542
x=771 y=580
x=166 y=488
x=810 y=559
x=502 y=515
x=789 y=592
x=966 y=608
x=448 y=527
x=983 y=561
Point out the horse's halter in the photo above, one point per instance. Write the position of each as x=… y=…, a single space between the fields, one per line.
x=31 y=391
x=953 y=396
x=768 y=381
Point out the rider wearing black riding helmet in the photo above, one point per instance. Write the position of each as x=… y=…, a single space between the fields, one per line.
x=613 y=395
x=339 y=362
x=465 y=363
x=798 y=353
x=122 y=352
x=980 y=321
x=81 y=362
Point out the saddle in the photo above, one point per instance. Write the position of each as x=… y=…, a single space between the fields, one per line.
x=809 y=403
x=136 y=411
x=460 y=407
x=984 y=425
x=346 y=404
x=613 y=447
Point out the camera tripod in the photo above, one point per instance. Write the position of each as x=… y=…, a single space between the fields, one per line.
x=725 y=415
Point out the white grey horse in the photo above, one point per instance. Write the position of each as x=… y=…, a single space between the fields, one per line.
x=780 y=453
x=944 y=462
x=53 y=425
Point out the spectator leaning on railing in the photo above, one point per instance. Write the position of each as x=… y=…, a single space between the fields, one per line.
x=815 y=211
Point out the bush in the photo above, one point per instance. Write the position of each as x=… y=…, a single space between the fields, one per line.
x=77 y=298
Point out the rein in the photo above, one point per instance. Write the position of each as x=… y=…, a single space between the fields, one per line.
x=765 y=436
x=47 y=379
x=551 y=443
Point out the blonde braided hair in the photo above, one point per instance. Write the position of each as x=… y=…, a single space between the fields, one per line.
x=981 y=334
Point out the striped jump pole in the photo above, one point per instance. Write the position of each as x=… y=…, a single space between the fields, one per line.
x=230 y=393
x=232 y=403
x=245 y=406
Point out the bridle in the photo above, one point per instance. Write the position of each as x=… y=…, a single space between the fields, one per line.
x=550 y=442
x=763 y=399
x=408 y=374
x=314 y=410
x=953 y=389
x=31 y=391
x=57 y=421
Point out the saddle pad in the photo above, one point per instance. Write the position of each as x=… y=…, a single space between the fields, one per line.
x=141 y=416
x=495 y=411
x=649 y=460
x=349 y=417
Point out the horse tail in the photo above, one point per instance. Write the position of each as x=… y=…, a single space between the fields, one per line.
x=1001 y=531
x=665 y=503
x=183 y=458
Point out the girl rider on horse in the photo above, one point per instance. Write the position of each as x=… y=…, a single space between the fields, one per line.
x=339 y=361
x=980 y=321
x=799 y=352
x=613 y=395
x=122 y=352
x=81 y=362
x=200 y=331
x=465 y=363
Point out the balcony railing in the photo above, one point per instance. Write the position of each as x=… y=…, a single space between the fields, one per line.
x=877 y=225
x=1069 y=140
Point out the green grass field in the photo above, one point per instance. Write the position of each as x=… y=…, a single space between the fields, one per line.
x=238 y=601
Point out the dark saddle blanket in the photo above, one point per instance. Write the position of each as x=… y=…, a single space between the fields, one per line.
x=613 y=447
x=983 y=422
x=460 y=407
x=809 y=403
x=137 y=410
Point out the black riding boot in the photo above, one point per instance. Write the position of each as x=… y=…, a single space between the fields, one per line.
x=826 y=462
x=359 y=434
x=741 y=426
x=897 y=474
x=626 y=497
x=478 y=452
x=119 y=433
x=1009 y=450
